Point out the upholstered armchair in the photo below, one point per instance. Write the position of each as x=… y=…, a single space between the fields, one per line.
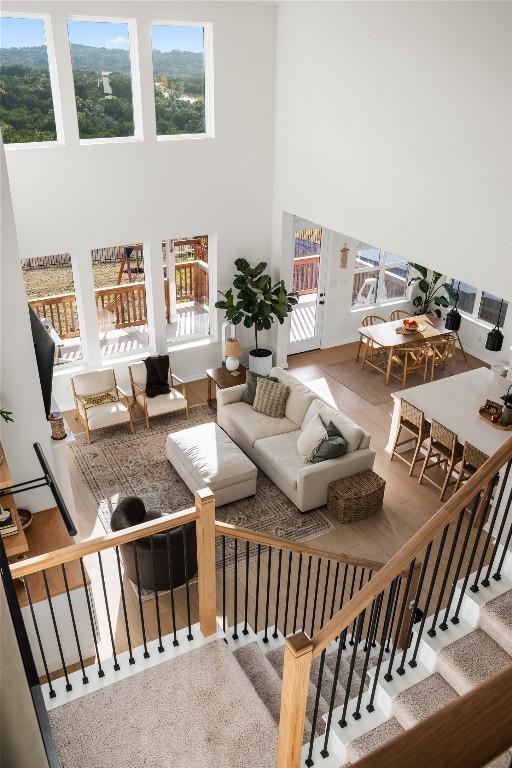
x=175 y=400
x=174 y=556
x=99 y=402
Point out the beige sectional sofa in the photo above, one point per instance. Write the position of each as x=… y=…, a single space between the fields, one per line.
x=272 y=443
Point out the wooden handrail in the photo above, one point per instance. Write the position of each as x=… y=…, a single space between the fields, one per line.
x=412 y=549
x=267 y=539
x=99 y=543
x=468 y=733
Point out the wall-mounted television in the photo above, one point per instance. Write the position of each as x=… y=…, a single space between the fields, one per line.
x=45 y=355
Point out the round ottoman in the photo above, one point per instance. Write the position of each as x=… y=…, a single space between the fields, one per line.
x=356 y=497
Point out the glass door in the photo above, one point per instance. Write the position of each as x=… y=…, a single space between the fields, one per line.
x=309 y=284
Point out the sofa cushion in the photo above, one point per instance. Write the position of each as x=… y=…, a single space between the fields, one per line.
x=251 y=380
x=353 y=434
x=165 y=403
x=310 y=439
x=271 y=397
x=334 y=446
x=252 y=425
x=107 y=414
x=300 y=396
x=281 y=451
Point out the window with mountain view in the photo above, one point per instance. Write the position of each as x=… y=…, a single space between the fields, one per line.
x=26 y=104
x=100 y=55
x=179 y=78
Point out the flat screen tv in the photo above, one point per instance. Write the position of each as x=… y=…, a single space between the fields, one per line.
x=45 y=354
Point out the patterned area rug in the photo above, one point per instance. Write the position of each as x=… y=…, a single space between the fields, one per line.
x=119 y=464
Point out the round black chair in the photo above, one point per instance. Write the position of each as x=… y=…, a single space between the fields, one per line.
x=167 y=572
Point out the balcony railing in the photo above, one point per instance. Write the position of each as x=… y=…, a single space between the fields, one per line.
x=305 y=274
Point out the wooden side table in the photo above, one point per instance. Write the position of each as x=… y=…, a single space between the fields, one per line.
x=223 y=379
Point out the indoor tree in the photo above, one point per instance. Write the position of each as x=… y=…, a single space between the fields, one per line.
x=429 y=291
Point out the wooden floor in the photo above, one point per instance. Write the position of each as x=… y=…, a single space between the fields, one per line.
x=407 y=506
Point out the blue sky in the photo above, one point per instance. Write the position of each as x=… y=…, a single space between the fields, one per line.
x=20 y=33
x=167 y=38
x=102 y=34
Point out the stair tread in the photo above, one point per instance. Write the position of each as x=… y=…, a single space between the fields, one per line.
x=262 y=675
x=422 y=700
x=374 y=739
x=496 y=620
x=472 y=660
x=330 y=664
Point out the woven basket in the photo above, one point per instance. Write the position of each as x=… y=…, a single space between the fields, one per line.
x=356 y=497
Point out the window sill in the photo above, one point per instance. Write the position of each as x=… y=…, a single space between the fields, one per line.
x=191 y=344
x=34 y=145
x=185 y=137
x=476 y=321
x=112 y=140
x=368 y=307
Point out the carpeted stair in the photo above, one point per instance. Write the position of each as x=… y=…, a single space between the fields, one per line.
x=496 y=620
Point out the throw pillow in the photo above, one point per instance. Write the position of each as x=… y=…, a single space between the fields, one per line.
x=99 y=399
x=335 y=445
x=310 y=439
x=251 y=379
x=270 y=398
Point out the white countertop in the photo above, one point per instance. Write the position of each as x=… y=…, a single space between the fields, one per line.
x=455 y=401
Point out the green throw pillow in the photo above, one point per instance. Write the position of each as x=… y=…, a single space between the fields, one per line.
x=251 y=380
x=335 y=445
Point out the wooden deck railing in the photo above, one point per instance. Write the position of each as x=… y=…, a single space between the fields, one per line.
x=61 y=311
x=305 y=275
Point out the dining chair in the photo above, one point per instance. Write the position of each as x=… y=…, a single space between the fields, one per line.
x=441 y=352
x=399 y=314
x=168 y=402
x=410 y=359
x=412 y=420
x=367 y=321
x=99 y=401
x=445 y=451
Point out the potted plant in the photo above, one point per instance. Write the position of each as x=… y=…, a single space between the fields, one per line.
x=7 y=417
x=257 y=304
x=429 y=291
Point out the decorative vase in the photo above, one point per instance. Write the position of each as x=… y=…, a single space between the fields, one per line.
x=260 y=361
x=232 y=351
x=56 y=420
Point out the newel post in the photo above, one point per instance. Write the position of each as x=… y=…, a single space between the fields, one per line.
x=206 y=586
x=298 y=656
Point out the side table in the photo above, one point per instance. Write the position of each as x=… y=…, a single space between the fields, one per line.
x=223 y=379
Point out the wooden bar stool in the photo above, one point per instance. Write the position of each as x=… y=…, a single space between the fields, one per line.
x=472 y=459
x=446 y=452
x=413 y=420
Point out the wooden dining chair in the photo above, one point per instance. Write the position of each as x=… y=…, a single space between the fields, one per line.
x=441 y=352
x=412 y=420
x=367 y=321
x=445 y=452
x=410 y=359
x=399 y=314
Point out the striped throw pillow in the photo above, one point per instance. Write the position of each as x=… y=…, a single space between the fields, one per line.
x=270 y=398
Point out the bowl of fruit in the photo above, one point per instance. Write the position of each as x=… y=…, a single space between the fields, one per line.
x=410 y=325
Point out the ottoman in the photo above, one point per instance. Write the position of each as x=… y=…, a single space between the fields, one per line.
x=204 y=456
x=356 y=497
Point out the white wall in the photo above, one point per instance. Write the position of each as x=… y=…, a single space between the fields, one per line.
x=74 y=197
x=394 y=125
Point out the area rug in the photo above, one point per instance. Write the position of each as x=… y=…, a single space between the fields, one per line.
x=369 y=384
x=118 y=464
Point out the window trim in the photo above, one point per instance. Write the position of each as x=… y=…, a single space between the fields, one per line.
x=54 y=81
x=133 y=50
x=381 y=300
x=209 y=132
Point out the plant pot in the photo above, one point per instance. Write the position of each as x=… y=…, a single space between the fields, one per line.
x=260 y=361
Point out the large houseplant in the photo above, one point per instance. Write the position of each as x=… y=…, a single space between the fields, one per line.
x=429 y=299
x=7 y=417
x=257 y=304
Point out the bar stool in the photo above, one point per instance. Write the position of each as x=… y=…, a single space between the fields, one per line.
x=446 y=451
x=472 y=460
x=413 y=420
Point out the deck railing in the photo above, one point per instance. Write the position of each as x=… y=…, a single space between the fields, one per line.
x=60 y=311
x=305 y=274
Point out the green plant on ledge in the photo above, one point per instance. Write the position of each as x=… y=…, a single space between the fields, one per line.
x=6 y=415
x=429 y=291
x=258 y=301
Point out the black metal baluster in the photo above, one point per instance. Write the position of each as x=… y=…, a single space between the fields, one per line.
x=432 y=631
x=485 y=581
x=306 y=593
x=297 y=590
x=324 y=751
x=101 y=671
x=497 y=506
x=326 y=587
x=287 y=603
x=351 y=641
x=401 y=668
x=69 y=687
x=224 y=584
x=343 y=721
x=497 y=574
x=372 y=629
x=109 y=621
x=170 y=568
x=367 y=638
x=39 y=641
x=267 y=599
x=235 y=595
x=245 y=631
x=131 y=660
x=155 y=590
x=385 y=629
x=395 y=606
x=443 y=625
x=275 y=633
x=315 y=599
x=85 y=679
x=389 y=676
x=257 y=603
x=335 y=589
x=187 y=588
x=309 y=761
x=455 y=617
x=141 y=612
x=345 y=631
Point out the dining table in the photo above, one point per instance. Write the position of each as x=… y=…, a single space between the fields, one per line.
x=388 y=336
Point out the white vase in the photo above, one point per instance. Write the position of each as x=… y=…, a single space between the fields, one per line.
x=261 y=364
x=232 y=363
